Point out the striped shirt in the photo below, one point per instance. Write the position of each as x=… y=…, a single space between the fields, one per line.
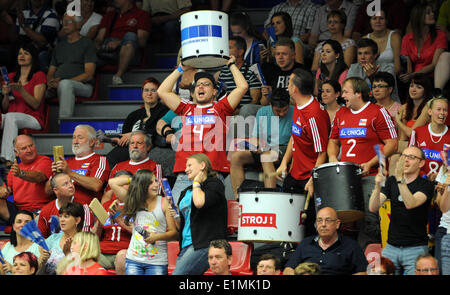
x=226 y=77
x=48 y=24
x=302 y=15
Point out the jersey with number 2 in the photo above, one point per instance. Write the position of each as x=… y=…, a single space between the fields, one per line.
x=358 y=131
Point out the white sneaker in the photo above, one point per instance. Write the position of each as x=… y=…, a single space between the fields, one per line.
x=117 y=80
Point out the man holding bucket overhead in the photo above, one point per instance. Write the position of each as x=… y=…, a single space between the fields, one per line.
x=204 y=120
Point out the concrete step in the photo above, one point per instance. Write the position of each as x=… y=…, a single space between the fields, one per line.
x=46 y=141
x=107 y=124
x=131 y=77
x=125 y=92
x=101 y=108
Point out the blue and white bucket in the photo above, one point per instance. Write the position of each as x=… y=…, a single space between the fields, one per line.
x=204 y=39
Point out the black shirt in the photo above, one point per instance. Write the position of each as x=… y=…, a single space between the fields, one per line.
x=408 y=227
x=276 y=77
x=344 y=257
x=135 y=120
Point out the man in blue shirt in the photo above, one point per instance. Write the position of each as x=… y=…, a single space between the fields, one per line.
x=335 y=253
x=266 y=139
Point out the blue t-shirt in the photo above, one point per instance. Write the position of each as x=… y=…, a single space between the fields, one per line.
x=263 y=123
x=185 y=209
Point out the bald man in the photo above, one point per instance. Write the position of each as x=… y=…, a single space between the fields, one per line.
x=335 y=253
x=26 y=181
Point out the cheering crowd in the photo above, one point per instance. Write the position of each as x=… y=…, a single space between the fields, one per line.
x=323 y=82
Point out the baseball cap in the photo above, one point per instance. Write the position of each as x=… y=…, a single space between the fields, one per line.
x=206 y=75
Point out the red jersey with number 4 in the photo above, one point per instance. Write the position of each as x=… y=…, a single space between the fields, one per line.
x=432 y=144
x=310 y=131
x=92 y=165
x=115 y=237
x=358 y=131
x=204 y=131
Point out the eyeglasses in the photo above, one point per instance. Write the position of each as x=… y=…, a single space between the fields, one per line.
x=411 y=157
x=427 y=269
x=327 y=220
x=375 y=86
x=334 y=22
x=204 y=84
x=153 y=90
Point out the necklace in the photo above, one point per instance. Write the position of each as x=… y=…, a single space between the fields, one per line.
x=440 y=137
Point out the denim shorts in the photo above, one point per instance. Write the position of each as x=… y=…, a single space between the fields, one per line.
x=138 y=268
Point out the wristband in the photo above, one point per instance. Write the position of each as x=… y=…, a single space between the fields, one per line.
x=168 y=132
x=129 y=180
x=196 y=184
x=115 y=215
x=230 y=64
x=179 y=69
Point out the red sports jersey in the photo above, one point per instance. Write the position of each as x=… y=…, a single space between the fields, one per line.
x=29 y=195
x=431 y=144
x=114 y=238
x=204 y=131
x=93 y=270
x=133 y=167
x=93 y=166
x=358 y=131
x=52 y=209
x=310 y=131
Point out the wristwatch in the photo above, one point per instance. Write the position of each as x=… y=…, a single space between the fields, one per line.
x=402 y=181
x=21 y=174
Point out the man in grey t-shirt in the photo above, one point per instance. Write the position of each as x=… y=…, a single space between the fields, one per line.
x=72 y=67
x=367 y=66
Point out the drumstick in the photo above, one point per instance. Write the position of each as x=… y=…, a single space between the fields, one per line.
x=273 y=174
x=308 y=196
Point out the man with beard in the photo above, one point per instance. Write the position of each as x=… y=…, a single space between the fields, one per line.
x=88 y=170
x=139 y=147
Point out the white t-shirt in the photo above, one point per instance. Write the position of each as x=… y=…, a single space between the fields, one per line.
x=445 y=218
x=94 y=20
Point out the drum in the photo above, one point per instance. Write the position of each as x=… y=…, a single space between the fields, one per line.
x=204 y=39
x=338 y=185
x=269 y=216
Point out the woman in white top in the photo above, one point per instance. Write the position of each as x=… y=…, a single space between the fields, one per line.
x=152 y=223
x=442 y=249
x=91 y=20
x=389 y=41
x=336 y=25
x=18 y=243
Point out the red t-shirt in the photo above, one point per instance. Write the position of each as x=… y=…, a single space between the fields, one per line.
x=425 y=56
x=114 y=238
x=204 y=131
x=431 y=144
x=52 y=209
x=133 y=167
x=131 y=21
x=358 y=131
x=19 y=105
x=29 y=195
x=310 y=131
x=93 y=270
x=92 y=165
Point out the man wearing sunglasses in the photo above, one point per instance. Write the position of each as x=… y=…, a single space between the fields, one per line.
x=410 y=197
